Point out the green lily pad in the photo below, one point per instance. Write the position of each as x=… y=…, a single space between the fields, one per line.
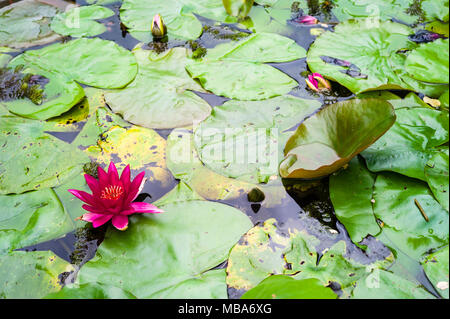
x=80 y=21
x=263 y=251
x=382 y=284
x=429 y=62
x=376 y=55
x=351 y=194
x=333 y=136
x=161 y=95
x=26 y=23
x=95 y=62
x=90 y=291
x=169 y=255
x=30 y=275
x=60 y=95
x=410 y=143
x=180 y=193
x=40 y=158
x=435 y=9
x=244 y=140
x=444 y=99
x=178 y=15
x=285 y=287
x=436 y=174
x=395 y=206
x=237 y=71
x=32 y=218
x=436 y=268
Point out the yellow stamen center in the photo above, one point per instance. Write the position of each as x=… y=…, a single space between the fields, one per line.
x=112 y=192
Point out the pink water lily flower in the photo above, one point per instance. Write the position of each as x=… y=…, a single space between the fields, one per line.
x=112 y=197
x=317 y=82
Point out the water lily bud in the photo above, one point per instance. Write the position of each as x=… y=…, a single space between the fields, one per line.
x=158 y=27
x=317 y=83
x=307 y=20
x=238 y=8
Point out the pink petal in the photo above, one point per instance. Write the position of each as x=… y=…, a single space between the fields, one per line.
x=125 y=177
x=141 y=207
x=92 y=183
x=101 y=220
x=85 y=197
x=113 y=175
x=120 y=222
x=102 y=177
x=95 y=210
x=90 y=217
x=134 y=188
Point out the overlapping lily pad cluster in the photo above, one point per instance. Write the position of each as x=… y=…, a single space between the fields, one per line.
x=382 y=149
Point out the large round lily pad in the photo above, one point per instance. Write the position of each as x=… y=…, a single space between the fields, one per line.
x=161 y=95
x=376 y=54
x=244 y=140
x=93 y=62
x=169 y=255
x=333 y=136
x=237 y=71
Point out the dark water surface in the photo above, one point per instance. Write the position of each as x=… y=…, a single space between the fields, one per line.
x=311 y=209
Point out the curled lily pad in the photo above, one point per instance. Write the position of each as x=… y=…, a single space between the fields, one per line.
x=178 y=15
x=244 y=140
x=161 y=94
x=285 y=287
x=436 y=174
x=27 y=23
x=154 y=257
x=32 y=218
x=31 y=275
x=41 y=158
x=95 y=62
x=360 y=43
x=236 y=70
x=429 y=62
x=333 y=136
x=80 y=21
x=436 y=268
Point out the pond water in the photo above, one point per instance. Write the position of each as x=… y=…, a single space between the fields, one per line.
x=308 y=205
